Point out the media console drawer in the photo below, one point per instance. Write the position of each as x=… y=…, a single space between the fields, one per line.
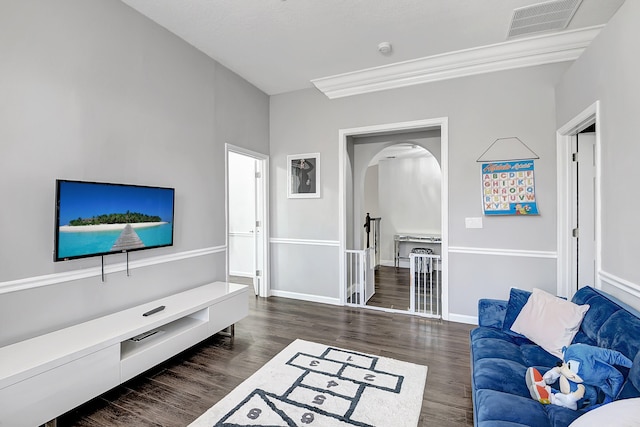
x=40 y=398
x=228 y=312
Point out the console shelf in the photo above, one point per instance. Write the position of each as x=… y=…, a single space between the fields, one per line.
x=46 y=376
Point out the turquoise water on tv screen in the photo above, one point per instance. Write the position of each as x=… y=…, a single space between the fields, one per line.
x=72 y=244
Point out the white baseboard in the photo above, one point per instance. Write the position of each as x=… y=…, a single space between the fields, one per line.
x=463 y=318
x=391 y=263
x=240 y=274
x=305 y=297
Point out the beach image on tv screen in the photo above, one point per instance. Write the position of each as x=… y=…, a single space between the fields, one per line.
x=95 y=218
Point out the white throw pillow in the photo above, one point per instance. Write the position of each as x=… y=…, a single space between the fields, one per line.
x=621 y=413
x=549 y=321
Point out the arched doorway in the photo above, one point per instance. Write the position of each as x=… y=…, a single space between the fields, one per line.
x=358 y=146
x=402 y=188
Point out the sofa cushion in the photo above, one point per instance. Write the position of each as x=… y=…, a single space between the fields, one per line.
x=632 y=389
x=582 y=338
x=621 y=332
x=497 y=349
x=501 y=375
x=491 y=312
x=600 y=309
x=517 y=299
x=487 y=332
x=534 y=355
x=549 y=321
x=560 y=416
x=494 y=405
x=629 y=390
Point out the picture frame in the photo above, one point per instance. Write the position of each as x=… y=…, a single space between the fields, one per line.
x=303 y=176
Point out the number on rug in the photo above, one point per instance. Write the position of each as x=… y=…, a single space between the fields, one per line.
x=319 y=399
x=254 y=414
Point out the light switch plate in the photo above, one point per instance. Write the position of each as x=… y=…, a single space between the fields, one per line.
x=475 y=222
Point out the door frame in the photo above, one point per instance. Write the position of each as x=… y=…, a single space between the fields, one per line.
x=565 y=196
x=344 y=134
x=264 y=290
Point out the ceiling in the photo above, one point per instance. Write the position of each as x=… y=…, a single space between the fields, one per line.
x=282 y=45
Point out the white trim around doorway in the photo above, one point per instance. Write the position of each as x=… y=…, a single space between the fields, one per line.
x=564 y=136
x=344 y=134
x=265 y=287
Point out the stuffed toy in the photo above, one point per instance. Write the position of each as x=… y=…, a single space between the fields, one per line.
x=584 y=371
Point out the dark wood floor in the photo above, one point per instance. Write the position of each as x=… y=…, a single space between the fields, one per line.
x=393 y=290
x=178 y=391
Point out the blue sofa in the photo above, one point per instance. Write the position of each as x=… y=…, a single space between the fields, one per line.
x=499 y=359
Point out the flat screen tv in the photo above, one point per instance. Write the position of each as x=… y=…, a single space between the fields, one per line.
x=95 y=218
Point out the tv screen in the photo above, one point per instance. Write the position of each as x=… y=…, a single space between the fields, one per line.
x=94 y=218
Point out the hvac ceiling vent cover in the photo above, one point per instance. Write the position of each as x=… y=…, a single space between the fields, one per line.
x=548 y=16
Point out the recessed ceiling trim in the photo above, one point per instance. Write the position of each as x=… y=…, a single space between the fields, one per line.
x=526 y=52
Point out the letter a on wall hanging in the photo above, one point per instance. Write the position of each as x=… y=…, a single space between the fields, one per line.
x=508 y=186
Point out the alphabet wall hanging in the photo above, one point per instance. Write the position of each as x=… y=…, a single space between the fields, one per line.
x=508 y=178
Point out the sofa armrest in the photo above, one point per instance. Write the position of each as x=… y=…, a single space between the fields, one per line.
x=491 y=312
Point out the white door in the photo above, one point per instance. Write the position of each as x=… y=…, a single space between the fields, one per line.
x=247 y=216
x=241 y=199
x=583 y=250
x=584 y=211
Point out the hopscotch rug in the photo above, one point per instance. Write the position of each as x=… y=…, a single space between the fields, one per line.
x=310 y=384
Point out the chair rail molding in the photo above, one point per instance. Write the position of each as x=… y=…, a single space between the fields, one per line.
x=620 y=283
x=519 y=53
x=503 y=252
x=67 y=276
x=309 y=242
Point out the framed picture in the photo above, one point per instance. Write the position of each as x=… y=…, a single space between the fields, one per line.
x=304 y=176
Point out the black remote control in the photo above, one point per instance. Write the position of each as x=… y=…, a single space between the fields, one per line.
x=155 y=310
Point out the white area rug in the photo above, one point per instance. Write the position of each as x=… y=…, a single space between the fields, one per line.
x=309 y=384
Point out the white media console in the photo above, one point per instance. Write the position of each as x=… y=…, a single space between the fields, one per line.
x=46 y=376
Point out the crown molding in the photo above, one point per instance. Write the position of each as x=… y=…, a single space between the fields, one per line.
x=525 y=52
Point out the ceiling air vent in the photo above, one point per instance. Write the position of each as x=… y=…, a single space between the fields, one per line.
x=548 y=16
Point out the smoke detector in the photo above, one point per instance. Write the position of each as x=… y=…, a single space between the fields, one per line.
x=541 y=17
x=385 y=48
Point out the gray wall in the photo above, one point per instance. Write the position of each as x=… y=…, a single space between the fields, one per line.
x=95 y=91
x=480 y=109
x=609 y=71
x=414 y=210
